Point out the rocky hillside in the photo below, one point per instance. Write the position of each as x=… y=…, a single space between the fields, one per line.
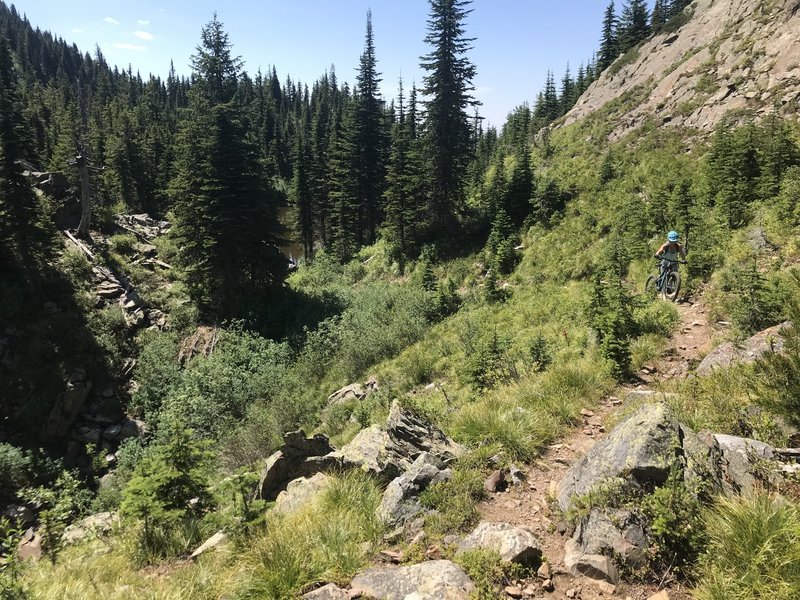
x=728 y=55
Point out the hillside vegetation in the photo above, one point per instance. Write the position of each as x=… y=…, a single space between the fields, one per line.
x=498 y=307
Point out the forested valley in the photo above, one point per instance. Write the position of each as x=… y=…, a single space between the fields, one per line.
x=193 y=267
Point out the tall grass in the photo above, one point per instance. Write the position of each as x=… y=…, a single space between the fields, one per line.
x=327 y=541
x=754 y=551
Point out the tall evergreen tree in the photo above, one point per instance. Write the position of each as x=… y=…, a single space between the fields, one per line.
x=369 y=141
x=609 y=44
x=227 y=226
x=567 y=97
x=23 y=237
x=633 y=24
x=448 y=87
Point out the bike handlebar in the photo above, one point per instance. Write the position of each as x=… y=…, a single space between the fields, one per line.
x=683 y=262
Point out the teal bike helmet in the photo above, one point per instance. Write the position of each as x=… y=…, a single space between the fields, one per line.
x=672 y=236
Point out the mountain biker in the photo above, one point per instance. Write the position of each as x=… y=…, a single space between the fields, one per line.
x=669 y=251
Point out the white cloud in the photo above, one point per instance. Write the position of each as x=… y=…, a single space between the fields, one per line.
x=124 y=46
x=483 y=90
x=111 y=20
x=143 y=22
x=77 y=30
x=144 y=35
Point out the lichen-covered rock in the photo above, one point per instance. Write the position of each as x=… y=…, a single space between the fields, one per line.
x=640 y=450
x=741 y=456
x=400 y=502
x=514 y=544
x=431 y=580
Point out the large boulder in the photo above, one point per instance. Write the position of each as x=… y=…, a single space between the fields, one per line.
x=287 y=463
x=753 y=348
x=96 y=525
x=514 y=544
x=432 y=580
x=400 y=502
x=641 y=450
x=593 y=566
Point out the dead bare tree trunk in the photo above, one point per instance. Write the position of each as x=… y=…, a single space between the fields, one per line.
x=86 y=198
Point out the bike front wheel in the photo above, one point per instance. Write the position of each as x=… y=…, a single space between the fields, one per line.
x=672 y=285
x=651 y=285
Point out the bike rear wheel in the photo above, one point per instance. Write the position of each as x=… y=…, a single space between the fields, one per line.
x=672 y=285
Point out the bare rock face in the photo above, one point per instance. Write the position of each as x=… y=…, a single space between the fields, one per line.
x=94 y=525
x=696 y=74
x=728 y=353
x=431 y=580
x=514 y=544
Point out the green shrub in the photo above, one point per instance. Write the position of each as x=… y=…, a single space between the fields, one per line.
x=488 y=572
x=15 y=470
x=123 y=243
x=61 y=502
x=455 y=500
x=167 y=495
x=11 y=567
x=675 y=526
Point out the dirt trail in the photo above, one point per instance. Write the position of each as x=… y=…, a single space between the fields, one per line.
x=529 y=504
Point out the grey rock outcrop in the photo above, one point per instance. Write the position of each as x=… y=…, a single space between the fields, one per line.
x=753 y=348
x=400 y=502
x=695 y=76
x=431 y=580
x=92 y=526
x=740 y=456
x=640 y=450
x=301 y=492
x=514 y=544
x=593 y=566
x=288 y=463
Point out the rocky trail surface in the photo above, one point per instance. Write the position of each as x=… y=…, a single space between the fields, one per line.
x=532 y=504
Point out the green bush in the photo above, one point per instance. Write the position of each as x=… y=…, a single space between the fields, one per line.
x=488 y=572
x=167 y=496
x=15 y=470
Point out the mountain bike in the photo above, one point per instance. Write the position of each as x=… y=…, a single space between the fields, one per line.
x=667 y=282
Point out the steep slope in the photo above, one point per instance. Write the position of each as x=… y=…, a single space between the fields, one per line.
x=730 y=55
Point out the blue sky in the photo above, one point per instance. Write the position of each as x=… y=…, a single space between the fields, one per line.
x=517 y=40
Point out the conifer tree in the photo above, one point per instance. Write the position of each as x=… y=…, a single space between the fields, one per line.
x=404 y=209
x=369 y=141
x=552 y=108
x=301 y=198
x=448 y=87
x=659 y=16
x=23 y=236
x=633 y=24
x=609 y=44
x=520 y=186
x=567 y=97
x=227 y=226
